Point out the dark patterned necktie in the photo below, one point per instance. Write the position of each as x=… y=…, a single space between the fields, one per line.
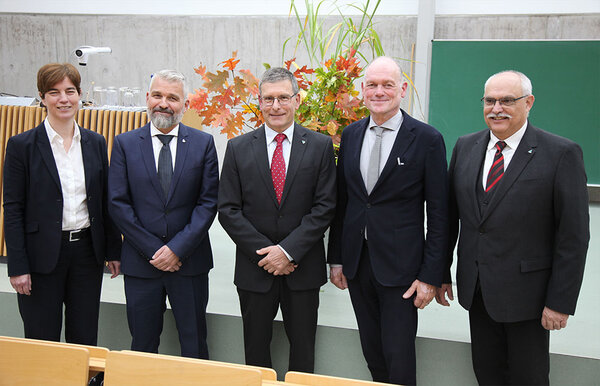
x=165 y=163
x=278 y=167
x=497 y=170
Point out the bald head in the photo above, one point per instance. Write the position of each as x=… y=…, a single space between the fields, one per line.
x=387 y=64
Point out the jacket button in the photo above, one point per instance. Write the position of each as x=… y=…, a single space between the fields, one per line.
x=368 y=206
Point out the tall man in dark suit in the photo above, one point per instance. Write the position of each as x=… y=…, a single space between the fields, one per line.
x=390 y=165
x=523 y=234
x=276 y=199
x=163 y=184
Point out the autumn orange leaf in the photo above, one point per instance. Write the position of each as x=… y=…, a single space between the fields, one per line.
x=230 y=64
x=201 y=70
x=215 y=81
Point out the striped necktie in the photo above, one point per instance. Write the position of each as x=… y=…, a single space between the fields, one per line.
x=497 y=170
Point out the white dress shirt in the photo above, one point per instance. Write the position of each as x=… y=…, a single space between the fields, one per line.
x=388 y=137
x=286 y=145
x=286 y=148
x=512 y=143
x=72 y=178
x=157 y=144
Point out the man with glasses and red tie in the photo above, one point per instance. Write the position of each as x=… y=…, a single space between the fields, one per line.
x=520 y=196
x=276 y=199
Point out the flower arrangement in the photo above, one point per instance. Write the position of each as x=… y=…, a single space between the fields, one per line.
x=228 y=97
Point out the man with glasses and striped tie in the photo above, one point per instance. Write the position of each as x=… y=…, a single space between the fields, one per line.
x=520 y=196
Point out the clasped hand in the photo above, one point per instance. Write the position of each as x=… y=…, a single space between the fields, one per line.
x=275 y=262
x=165 y=260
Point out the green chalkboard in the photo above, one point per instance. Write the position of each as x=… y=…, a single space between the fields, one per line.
x=566 y=85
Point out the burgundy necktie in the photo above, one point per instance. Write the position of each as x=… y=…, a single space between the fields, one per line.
x=497 y=170
x=278 y=167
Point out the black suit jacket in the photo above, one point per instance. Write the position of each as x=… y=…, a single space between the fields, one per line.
x=249 y=212
x=33 y=202
x=528 y=244
x=150 y=220
x=415 y=174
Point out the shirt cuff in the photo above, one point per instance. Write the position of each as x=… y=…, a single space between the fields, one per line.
x=335 y=265
x=286 y=254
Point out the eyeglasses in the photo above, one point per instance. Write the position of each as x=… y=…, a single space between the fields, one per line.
x=283 y=100
x=503 y=101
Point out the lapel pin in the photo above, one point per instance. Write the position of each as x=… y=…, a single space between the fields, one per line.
x=303 y=141
x=530 y=151
x=400 y=162
x=183 y=140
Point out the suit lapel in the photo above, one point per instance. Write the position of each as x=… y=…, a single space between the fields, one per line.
x=352 y=156
x=474 y=165
x=259 y=148
x=182 y=149
x=523 y=154
x=43 y=145
x=299 y=144
x=404 y=139
x=88 y=159
x=148 y=157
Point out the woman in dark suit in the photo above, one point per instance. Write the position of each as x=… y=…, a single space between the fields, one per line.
x=57 y=230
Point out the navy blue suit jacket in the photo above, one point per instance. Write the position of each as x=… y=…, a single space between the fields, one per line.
x=146 y=218
x=33 y=202
x=415 y=174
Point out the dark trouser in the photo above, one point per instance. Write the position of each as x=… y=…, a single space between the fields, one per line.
x=387 y=325
x=508 y=353
x=299 y=311
x=146 y=304
x=76 y=282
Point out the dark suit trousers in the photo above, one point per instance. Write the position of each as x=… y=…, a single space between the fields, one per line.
x=508 y=353
x=299 y=311
x=76 y=282
x=146 y=305
x=387 y=325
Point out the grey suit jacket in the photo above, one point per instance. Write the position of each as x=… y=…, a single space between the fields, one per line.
x=249 y=212
x=529 y=242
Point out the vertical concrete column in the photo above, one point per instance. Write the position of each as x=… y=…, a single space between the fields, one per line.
x=425 y=27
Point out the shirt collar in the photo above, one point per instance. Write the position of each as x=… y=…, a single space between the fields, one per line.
x=154 y=131
x=393 y=123
x=512 y=142
x=52 y=134
x=270 y=133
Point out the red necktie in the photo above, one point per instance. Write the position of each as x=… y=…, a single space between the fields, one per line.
x=497 y=170
x=278 y=167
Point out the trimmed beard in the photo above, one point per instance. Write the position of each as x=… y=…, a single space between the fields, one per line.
x=163 y=122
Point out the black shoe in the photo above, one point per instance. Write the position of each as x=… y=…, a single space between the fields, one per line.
x=97 y=380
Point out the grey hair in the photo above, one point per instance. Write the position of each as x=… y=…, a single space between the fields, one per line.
x=526 y=86
x=171 y=76
x=387 y=59
x=278 y=74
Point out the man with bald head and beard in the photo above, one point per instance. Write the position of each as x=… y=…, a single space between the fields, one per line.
x=389 y=166
x=519 y=196
x=163 y=183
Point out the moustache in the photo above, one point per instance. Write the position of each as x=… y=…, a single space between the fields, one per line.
x=499 y=115
x=161 y=110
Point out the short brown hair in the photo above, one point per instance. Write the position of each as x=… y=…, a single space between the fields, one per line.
x=52 y=73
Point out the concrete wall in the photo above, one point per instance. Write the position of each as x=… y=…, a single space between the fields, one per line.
x=143 y=44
